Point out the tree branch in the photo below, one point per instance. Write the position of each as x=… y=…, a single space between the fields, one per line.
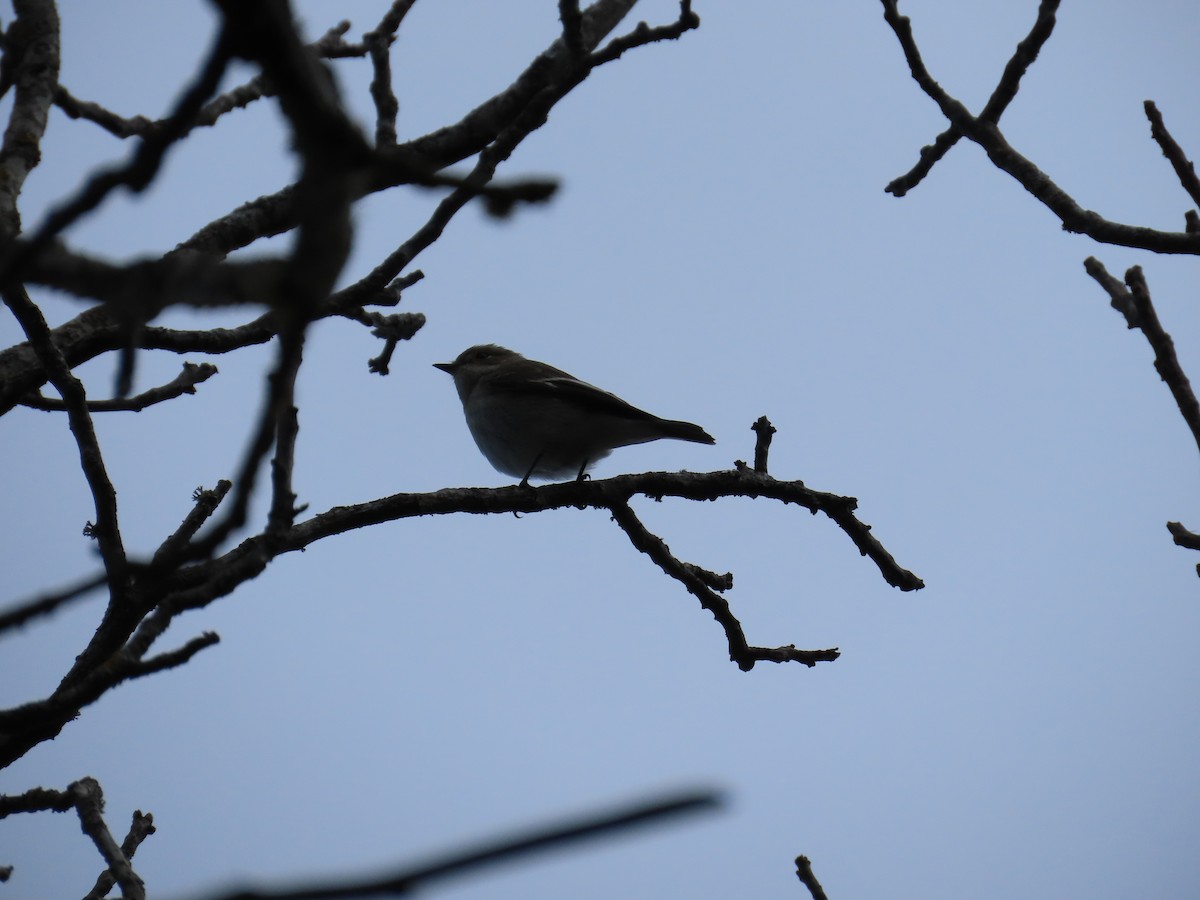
x=31 y=60
x=1006 y=91
x=106 y=529
x=141 y=828
x=1134 y=303
x=1183 y=167
x=739 y=650
x=183 y=383
x=805 y=873
x=987 y=135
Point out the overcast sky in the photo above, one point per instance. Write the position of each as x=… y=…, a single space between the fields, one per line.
x=722 y=248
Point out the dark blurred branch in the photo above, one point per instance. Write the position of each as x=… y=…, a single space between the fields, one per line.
x=42 y=606
x=138 y=172
x=409 y=879
x=643 y=34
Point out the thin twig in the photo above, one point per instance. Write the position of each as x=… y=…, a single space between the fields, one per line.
x=183 y=383
x=1132 y=300
x=378 y=43
x=206 y=503
x=141 y=169
x=1184 y=170
x=805 y=873
x=104 y=496
x=739 y=650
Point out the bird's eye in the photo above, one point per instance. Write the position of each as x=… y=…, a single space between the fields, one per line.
x=482 y=354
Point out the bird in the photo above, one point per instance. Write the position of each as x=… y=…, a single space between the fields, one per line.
x=531 y=420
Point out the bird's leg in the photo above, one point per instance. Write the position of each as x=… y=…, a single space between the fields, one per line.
x=583 y=475
x=537 y=459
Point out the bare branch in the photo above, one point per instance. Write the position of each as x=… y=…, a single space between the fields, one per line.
x=206 y=504
x=86 y=797
x=104 y=496
x=1074 y=218
x=739 y=650
x=805 y=873
x=183 y=383
x=1183 y=537
x=1135 y=305
x=172 y=659
x=1026 y=53
x=378 y=43
x=141 y=828
x=764 y=431
x=114 y=124
x=276 y=213
x=330 y=45
x=572 y=22
x=136 y=174
x=1183 y=167
x=35 y=800
x=89 y=802
x=643 y=34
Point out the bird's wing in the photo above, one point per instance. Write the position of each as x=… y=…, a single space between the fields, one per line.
x=567 y=387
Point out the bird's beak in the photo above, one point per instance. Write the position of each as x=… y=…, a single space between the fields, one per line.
x=448 y=368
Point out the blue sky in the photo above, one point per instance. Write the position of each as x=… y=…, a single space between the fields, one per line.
x=721 y=248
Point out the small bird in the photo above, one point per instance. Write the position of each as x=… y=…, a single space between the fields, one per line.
x=532 y=420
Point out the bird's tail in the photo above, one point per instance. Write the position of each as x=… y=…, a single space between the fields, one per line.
x=685 y=431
